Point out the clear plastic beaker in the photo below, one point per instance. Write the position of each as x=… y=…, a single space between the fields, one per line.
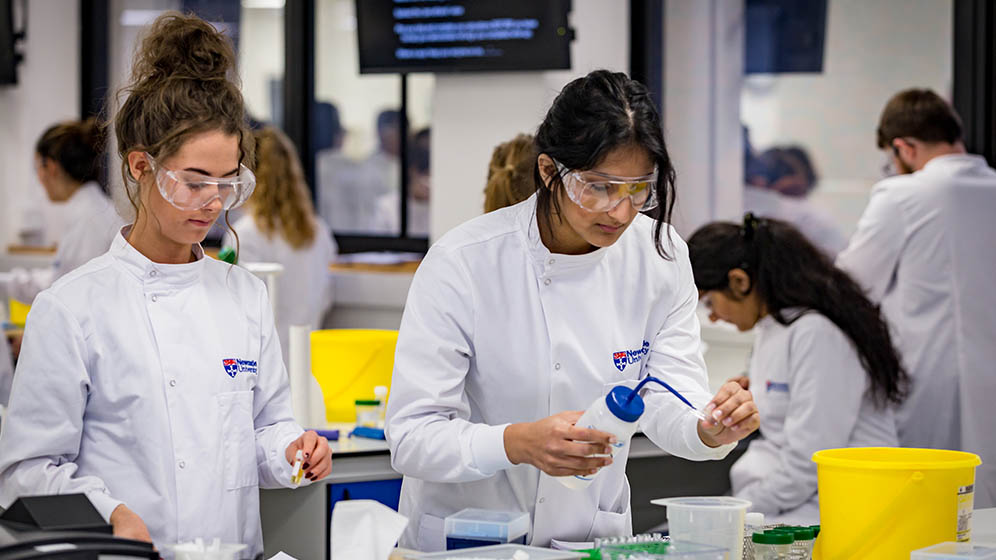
x=715 y=520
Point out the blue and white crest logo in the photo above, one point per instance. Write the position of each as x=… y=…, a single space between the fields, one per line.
x=235 y=366
x=623 y=358
x=619 y=358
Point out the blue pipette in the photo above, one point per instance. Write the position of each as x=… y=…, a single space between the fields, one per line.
x=698 y=413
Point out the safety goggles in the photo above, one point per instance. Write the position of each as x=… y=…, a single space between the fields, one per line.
x=189 y=190
x=598 y=192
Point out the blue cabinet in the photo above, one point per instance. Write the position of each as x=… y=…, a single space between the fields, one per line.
x=387 y=492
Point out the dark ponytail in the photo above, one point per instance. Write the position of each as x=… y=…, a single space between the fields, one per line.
x=789 y=272
x=77 y=146
x=591 y=117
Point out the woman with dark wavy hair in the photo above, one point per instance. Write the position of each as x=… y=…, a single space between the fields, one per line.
x=521 y=318
x=824 y=371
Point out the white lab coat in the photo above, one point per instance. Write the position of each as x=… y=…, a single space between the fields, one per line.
x=92 y=224
x=925 y=250
x=158 y=386
x=498 y=330
x=813 y=394
x=6 y=371
x=304 y=289
x=818 y=226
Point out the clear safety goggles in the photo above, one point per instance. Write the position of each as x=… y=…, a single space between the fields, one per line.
x=189 y=190
x=598 y=192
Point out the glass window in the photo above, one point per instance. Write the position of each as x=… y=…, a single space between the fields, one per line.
x=812 y=158
x=358 y=141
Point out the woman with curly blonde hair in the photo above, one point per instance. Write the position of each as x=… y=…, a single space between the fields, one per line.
x=281 y=227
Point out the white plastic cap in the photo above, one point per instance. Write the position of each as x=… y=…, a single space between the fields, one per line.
x=754 y=519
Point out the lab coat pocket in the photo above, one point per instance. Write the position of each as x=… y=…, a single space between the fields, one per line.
x=238 y=439
x=430 y=533
x=610 y=523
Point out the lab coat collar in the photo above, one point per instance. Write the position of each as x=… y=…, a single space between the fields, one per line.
x=152 y=273
x=552 y=263
x=961 y=160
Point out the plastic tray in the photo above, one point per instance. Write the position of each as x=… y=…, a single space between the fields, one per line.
x=500 y=552
x=955 y=551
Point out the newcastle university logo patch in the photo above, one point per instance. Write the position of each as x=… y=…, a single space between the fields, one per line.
x=235 y=366
x=623 y=358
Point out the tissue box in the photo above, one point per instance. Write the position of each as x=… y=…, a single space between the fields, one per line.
x=481 y=527
x=955 y=551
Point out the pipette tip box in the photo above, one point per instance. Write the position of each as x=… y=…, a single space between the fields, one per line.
x=480 y=527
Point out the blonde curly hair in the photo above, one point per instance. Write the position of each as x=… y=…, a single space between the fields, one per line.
x=281 y=203
x=510 y=173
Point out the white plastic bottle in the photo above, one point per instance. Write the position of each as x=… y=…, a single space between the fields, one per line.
x=616 y=413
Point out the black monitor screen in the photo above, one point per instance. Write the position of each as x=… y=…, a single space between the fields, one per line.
x=785 y=36
x=463 y=35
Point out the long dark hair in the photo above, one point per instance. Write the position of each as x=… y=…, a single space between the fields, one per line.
x=788 y=271
x=591 y=117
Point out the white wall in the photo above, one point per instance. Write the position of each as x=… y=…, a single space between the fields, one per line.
x=47 y=92
x=872 y=50
x=475 y=112
x=702 y=74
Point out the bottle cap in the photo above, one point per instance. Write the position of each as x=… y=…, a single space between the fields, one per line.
x=619 y=403
x=773 y=537
x=754 y=519
x=361 y=402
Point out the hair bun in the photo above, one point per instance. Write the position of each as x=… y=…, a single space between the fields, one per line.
x=183 y=46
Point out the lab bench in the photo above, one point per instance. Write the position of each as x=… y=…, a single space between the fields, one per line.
x=297 y=521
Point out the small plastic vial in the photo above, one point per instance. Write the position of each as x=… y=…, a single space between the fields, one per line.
x=298 y=473
x=773 y=545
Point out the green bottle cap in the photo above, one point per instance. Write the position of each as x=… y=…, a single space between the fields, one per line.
x=360 y=402
x=773 y=537
x=227 y=254
x=816 y=530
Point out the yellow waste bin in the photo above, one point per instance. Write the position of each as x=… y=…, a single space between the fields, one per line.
x=348 y=364
x=18 y=312
x=884 y=502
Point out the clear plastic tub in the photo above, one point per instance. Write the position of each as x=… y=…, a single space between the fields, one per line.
x=955 y=551
x=480 y=527
x=712 y=520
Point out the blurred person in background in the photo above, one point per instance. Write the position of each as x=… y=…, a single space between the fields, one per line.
x=280 y=226
x=387 y=219
x=67 y=161
x=924 y=249
x=778 y=184
x=510 y=173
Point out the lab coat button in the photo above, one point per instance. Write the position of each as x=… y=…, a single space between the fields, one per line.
x=556 y=365
x=551 y=261
x=182 y=464
x=154 y=298
x=172 y=382
x=547 y=281
x=153 y=274
x=541 y=500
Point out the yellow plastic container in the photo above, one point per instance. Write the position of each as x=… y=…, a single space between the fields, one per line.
x=885 y=502
x=18 y=312
x=348 y=364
